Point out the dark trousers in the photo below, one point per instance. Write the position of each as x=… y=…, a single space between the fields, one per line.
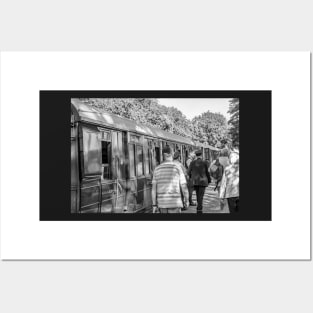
x=233 y=204
x=190 y=190
x=200 y=193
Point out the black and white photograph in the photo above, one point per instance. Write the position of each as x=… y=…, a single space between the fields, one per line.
x=155 y=155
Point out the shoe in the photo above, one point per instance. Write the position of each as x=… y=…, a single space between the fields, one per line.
x=192 y=203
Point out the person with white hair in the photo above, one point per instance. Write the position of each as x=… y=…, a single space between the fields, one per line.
x=229 y=188
x=169 y=186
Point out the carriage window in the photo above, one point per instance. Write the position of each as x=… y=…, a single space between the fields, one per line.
x=139 y=160
x=134 y=138
x=105 y=152
x=147 y=155
x=157 y=156
x=206 y=153
x=132 y=160
x=105 y=136
x=106 y=147
x=148 y=161
x=91 y=152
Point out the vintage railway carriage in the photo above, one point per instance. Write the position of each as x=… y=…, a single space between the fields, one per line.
x=210 y=153
x=112 y=161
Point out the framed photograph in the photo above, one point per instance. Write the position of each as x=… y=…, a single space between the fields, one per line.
x=158 y=156
x=141 y=155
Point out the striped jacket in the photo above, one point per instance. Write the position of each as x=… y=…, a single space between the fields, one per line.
x=169 y=178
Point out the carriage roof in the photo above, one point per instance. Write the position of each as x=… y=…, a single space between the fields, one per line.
x=210 y=147
x=87 y=113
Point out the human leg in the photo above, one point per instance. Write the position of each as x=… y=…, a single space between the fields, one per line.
x=233 y=204
x=190 y=190
x=200 y=193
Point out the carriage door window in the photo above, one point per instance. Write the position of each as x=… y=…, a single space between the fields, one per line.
x=147 y=153
x=139 y=160
x=106 y=154
x=132 y=160
x=91 y=150
x=157 y=156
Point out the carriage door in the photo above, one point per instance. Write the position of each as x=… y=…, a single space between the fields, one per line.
x=118 y=164
x=136 y=181
x=107 y=184
x=90 y=173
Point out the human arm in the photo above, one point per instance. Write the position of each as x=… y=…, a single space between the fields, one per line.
x=154 y=195
x=184 y=188
x=189 y=169
x=223 y=187
x=207 y=172
x=186 y=195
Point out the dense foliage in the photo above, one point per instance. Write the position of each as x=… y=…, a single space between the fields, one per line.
x=210 y=128
x=234 y=122
x=146 y=111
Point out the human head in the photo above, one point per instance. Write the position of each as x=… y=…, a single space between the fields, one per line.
x=234 y=158
x=198 y=153
x=176 y=155
x=167 y=153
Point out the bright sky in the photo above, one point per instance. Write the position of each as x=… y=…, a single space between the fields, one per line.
x=193 y=107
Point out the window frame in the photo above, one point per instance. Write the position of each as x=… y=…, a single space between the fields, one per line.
x=136 y=160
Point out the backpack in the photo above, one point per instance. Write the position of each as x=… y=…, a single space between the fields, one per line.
x=216 y=170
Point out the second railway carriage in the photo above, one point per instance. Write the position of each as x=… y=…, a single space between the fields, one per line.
x=210 y=153
x=112 y=160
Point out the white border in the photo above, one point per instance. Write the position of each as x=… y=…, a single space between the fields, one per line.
x=23 y=236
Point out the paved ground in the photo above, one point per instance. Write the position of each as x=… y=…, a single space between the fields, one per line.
x=211 y=203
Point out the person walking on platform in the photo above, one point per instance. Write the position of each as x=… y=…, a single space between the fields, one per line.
x=199 y=175
x=176 y=158
x=191 y=157
x=230 y=183
x=217 y=168
x=169 y=186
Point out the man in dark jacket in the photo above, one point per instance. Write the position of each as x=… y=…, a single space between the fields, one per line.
x=199 y=174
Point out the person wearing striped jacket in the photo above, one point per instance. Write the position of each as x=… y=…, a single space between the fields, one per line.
x=169 y=186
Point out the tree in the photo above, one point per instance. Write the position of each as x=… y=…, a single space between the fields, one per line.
x=234 y=121
x=211 y=128
x=146 y=111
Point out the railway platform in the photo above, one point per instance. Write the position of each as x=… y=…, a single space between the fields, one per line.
x=211 y=202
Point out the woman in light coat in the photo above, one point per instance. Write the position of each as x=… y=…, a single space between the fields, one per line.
x=230 y=183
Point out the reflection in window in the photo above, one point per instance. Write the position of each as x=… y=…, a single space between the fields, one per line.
x=139 y=160
x=91 y=148
x=132 y=160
